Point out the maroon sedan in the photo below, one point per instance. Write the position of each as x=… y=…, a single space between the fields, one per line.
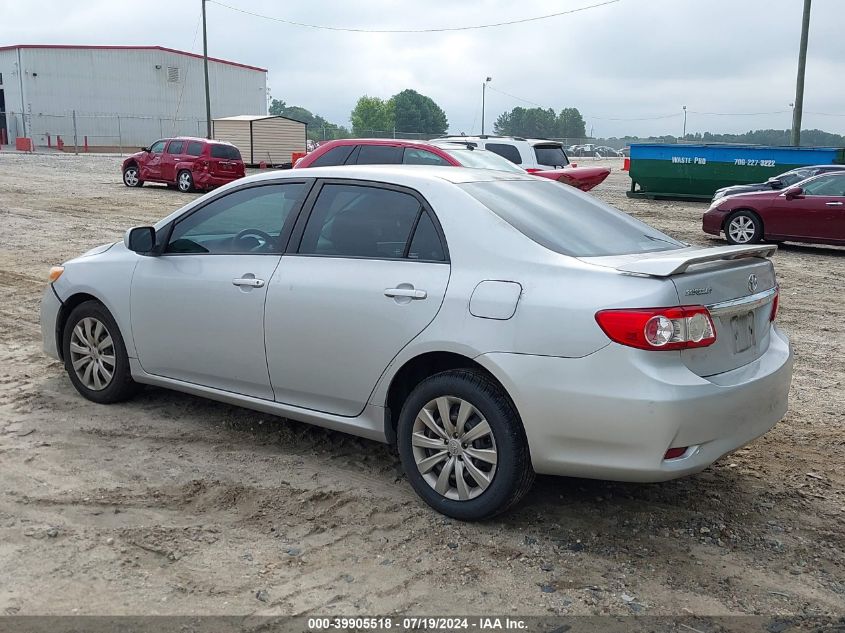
x=811 y=211
x=374 y=151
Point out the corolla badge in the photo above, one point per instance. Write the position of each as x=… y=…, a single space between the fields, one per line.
x=752 y=282
x=698 y=291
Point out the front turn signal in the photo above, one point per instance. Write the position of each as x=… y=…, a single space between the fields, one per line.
x=56 y=272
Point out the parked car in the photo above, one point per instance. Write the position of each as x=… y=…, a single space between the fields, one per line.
x=812 y=210
x=184 y=162
x=491 y=324
x=605 y=151
x=539 y=156
x=780 y=181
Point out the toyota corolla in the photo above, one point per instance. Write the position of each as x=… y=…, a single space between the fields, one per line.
x=491 y=325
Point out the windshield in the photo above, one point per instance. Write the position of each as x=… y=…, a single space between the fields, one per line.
x=481 y=159
x=791 y=177
x=567 y=221
x=551 y=154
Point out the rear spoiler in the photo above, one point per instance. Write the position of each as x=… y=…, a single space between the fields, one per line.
x=666 y=263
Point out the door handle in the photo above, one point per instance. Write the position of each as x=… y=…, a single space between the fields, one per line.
x=833 y=204
x=408 y=293
x=252 y=282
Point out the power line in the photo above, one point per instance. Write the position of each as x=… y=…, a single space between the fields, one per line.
x=738 y=113
x=429 y=30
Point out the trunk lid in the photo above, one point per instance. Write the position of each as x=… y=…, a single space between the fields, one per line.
x=736 y=284
x=583 y=178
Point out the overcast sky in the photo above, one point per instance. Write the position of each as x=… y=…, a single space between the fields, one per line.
x=634 y=59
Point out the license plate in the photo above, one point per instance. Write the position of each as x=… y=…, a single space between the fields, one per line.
x=743 y=330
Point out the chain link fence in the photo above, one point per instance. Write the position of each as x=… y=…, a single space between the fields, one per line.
x=81 y=132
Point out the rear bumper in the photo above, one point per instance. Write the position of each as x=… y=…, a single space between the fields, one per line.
x=205 y=180
x=50 y=307
x=613 y=414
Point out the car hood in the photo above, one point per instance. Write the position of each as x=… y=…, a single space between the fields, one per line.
x=735 y=189
x=756 y=196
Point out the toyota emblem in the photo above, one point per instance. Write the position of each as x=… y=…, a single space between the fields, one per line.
x=752 y=282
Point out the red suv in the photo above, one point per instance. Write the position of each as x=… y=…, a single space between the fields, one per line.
x=184 y=162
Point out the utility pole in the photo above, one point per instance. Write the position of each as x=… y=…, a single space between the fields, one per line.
x=799 y=84
x=685 y=122
x=205 y=68
x=483 y=96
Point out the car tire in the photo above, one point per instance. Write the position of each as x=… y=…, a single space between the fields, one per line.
x=185 y=181
x=474 y=487
x=132 y=176
x=91 y=333
x=743 y=227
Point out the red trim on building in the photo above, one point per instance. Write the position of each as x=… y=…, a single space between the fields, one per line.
x=132 y=48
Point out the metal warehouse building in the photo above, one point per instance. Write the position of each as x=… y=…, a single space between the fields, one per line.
x=118 y=96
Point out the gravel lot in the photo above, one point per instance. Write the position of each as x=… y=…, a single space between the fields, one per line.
x=170 y=504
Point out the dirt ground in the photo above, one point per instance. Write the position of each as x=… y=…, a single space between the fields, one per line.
x=170 y=504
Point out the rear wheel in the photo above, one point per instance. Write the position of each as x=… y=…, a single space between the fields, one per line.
x=462 y=446
x=185 y=181
x=132 y=177
x=743 y=227
x=95 y=355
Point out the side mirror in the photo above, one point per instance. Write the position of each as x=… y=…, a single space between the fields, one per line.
x=794 y=192
x=145 y=149
x=140 y=239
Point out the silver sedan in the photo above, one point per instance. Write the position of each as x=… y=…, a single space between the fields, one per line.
x=491 y=325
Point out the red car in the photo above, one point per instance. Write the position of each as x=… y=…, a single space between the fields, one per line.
x=185 y=162
x=812 y=210
x=457 y=153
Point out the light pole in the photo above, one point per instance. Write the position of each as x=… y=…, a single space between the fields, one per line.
x=685 y=122
x=205 y=68
x=483 y=96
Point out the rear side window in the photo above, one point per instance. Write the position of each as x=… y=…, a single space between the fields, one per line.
x=507 y=151
x=175 y=147
x=335 y=156
x=360 y=221
x=227 y=152
x=415 y=156
x=194 y=148
x=567 y=221
x=379 y=155
x=551 y=154
x=426 y=244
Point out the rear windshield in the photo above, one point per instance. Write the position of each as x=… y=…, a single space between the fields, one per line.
x=567 y=221
x=552 y=155
x=481 y=159
x=228 y=152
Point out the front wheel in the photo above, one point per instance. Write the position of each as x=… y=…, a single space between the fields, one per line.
x=743 y=227
x=185 y=181
x=462 y=446
x=132 y=177
x=95 y=355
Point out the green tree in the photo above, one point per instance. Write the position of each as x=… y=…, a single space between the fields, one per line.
x=318 y=128
x=417 y=113
x=372 y=117
x=570 y=124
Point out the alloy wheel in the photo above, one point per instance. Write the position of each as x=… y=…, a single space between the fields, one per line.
x=741 y=229
x=92 y=353
x=185 y=181
x=130 y=177
x=454 y=448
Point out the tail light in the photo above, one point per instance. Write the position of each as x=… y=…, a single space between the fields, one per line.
x=659 y=329
x=775 y=305
x=532 y=170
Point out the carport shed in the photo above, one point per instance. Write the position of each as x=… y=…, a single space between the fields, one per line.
x=269 y=138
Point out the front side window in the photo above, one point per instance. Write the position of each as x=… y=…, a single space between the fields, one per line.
x=415 y=156
x=551 y=154
x=194 y=148
x=335 y=156
x=245 y=221
x=832 y=185
x=379 y=155
x=567 y=221
x=157 y=147
x=227 y=152
x=360 y=221
x=175 y=147
x=507 y=151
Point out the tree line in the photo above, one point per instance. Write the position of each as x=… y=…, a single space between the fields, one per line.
x=411 y=114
